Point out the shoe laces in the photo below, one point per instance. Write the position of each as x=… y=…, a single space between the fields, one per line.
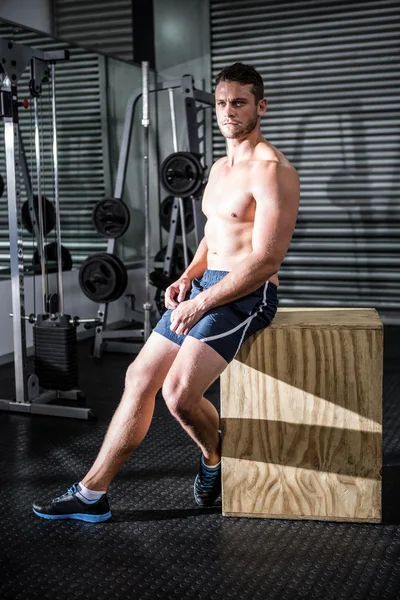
x=71 y=492
x=207 y=478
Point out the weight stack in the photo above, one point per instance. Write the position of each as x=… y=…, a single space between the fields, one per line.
x=56 y=353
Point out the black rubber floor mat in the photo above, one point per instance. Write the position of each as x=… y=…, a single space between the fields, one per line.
x=159 y=544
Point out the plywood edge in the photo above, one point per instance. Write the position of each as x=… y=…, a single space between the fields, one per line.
x=301 y=517
x=364 y=326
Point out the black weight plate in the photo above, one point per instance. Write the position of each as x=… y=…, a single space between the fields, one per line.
x=178 y=260
x=111 y=217
x=182 y=174
x=122 y=276
x=165 y=215
x=98 y=278
x=1 y=186
x=159 y=299
x=103 y=277
x=49 y=215
x=50 y=255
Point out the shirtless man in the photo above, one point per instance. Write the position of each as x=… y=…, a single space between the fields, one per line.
x=228 y=292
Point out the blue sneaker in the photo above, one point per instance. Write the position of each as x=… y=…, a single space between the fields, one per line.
x=68 y=506
x=207 y=485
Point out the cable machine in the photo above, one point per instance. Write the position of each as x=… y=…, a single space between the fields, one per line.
x=54 y=332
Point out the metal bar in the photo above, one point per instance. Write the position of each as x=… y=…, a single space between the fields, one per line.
x=173 y=119
x=180 y=200
x=145 y=124
x=125 y=142
x=204 y=97
x=127 y=131
x=28 y=187
x=171 y=239
x=40 y=206
x=53 y=410
x=56 y=193
x=16 y=248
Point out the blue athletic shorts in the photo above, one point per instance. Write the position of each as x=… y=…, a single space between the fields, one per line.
x=226 y=327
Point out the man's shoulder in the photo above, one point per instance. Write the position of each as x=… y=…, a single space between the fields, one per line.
x=219 y=162
x=268 y=154
x=275 y=174
x=274 y=167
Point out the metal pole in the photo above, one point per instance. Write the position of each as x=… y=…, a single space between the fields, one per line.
x=11 y=138
x=40 y=205
x=180 y=200
x=56 y=192
x=146 y=123
x=173 y=119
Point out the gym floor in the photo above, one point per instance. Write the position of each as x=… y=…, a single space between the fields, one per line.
x=158 y=544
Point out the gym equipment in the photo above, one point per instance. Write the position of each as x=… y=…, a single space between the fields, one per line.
x=1 y=186
x=301 y=412
x=161 y=282
x=166 y=212
x=51 y=256
x=159 y=277
x=55 y=358
x=103 y=277
x=111 y=217
x=195 y=102
x=54 y=334
x=147 y=306
x=182 y=174
x=49 y=214
x=177 y=261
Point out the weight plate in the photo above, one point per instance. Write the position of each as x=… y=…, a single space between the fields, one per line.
x=182 y=174
x=178 y=260
x=165 y=215
x=103 y=277
x=122 y=276
x=159 y=299
x=1 y=186
x=50 y=255
x=111 y=217
x=49 y=215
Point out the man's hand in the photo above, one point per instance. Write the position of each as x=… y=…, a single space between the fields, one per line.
x=185 y=316
x=176 y=292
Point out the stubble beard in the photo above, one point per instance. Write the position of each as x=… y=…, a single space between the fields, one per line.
x=245 y=130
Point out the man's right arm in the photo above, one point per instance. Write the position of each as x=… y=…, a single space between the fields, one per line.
x=176 y=292
x=199 y=263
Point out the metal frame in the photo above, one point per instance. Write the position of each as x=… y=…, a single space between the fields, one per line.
x=106 y=339
x=14 y=60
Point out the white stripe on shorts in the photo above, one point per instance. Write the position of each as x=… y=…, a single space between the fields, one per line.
x=245 y=323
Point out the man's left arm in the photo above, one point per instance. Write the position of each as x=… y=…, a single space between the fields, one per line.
x=276 y=190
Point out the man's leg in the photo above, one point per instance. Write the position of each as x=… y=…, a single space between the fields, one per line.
x=133 y=416
x=87 y=501
x=195 y=368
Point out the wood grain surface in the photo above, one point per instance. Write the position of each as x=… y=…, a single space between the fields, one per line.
x=301 y=411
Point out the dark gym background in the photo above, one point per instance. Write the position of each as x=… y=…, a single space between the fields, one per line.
x=331 y=72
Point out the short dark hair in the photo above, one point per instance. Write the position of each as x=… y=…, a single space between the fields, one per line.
x=244 y=74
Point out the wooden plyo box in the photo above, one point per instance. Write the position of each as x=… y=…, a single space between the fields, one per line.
x=301 y=414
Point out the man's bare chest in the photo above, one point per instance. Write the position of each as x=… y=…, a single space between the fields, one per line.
x=229 y=198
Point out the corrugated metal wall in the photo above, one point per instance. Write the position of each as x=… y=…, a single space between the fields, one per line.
x=331 y=72
x=80 y=147
x=105 y=26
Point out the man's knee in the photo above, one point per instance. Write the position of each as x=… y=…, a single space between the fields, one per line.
x=139 y=378
x=176 y=396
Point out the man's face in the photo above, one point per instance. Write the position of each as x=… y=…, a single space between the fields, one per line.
x=236 y=108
